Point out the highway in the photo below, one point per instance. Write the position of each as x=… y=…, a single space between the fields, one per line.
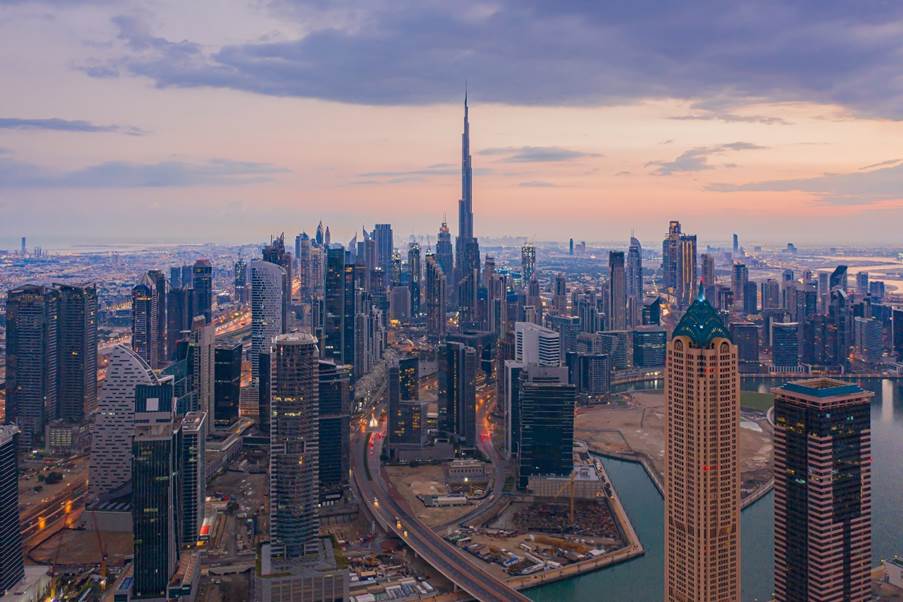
x=426 y=543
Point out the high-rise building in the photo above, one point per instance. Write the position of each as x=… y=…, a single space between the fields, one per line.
x=145 y=320
x=702 y=472
x=785 y=338
x=114 y=426
x=202 y=282
x=275 y=253
x=686 y=283
x=467 y=251
x=838 y=278
x=671 y=256
x=771 y=294
x=193 y=476
x=202 y=363
x=156 y=492
x=444 y=253
x=266 y=309
x=239 y=281
x=226 y=383
x=334 y=420
x=708 y=271
x=528 y=262
x=158 y=278
x=457 y=373
x=649 y=347
x=385 y=245
x=634 y=282
x=12 y=566
x=560 y=293
x=822 y=491
x=407 y=415
x=739 y=278
x=409 y=377
x=751 y=298
x=534 y=344
x=334 y=318
x=546 y=430
x=617 y=291
x=32 y=322
x=589 y=372
x=416 y=274
x=180 y=311
x=736 y=245
x=294 y=445
x=77 y=354
x=746 y=337
x=868 y=337
x=436 y=298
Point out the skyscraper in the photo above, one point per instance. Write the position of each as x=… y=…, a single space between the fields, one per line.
x=634 y=282
x=114 y=427
x=444 y=253
x=32 y=320
x=159 y=280
x=708 y=271
x=294 y=445
x=671 y=255
x=77 y=355
x=334 y=318
x=334 y=420
x=702 y=474
x=415 y=271
x=534 y=344
x=266 y=309
x=617 y=291
x=546 y=429
x=193 y=475
x=145 y=320
x=384 y=246
x=226 y=383
x=527 y=262
x=436 y=298
x=155 y=490
x=275 y=253
x=686 y=282
x=202 y=363
x=179 y=312
x=467 y=251
x=457 y=373
x=12 y=568
x=822 y=491
x=202 y=281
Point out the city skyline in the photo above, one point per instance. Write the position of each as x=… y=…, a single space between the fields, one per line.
x=149 y=122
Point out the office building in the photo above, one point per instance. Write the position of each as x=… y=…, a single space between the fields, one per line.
x=649 y=347
x=226 y=383
x=707 y=275
x=158 y=278
x=534 y=344
x=785 y=338
x=415 y=273
x=546 y=432
x=457 y=373
x=634 y=282
x=180 y=311
x=294 y=446
x=156 y=493
x=193 y=474
x=739 y=279
x=202 y=282
x=589 y=372
x=382 y=233
x=527 y=262
x=745 y=336
x=12 y=566
x=702 y=472
x=32 y=322
x=671 y=255
x=77 y=353
x=334 y=421
x=822 y=491
x=202 y=363
x=436 y=298
x=444 y=253
x=868 y=336
x=276 y=254
x=146 y=334
x=407 y=415
x=409 y=372
x=467 y=249
x=334 y=318
x=686 y=284
x=617 y=291
x=266 y=309
x=114 y=426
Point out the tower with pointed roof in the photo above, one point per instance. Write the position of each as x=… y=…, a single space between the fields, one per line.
x=702 y=473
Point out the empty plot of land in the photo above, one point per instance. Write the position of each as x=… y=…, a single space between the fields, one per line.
x=428 y=479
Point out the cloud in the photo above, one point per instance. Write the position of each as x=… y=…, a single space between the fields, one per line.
x=122 y=174
x=414 y=175
x=66 y=125
x=529 y=52
x=732 y=118
x=697 y=158
x=537 y=154
x=538 y=184
x=854 y=188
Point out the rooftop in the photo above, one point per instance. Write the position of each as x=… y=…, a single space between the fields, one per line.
x=822 y=387
x=701 y=323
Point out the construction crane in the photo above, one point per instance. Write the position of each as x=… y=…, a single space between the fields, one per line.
x=570 y=486
x=54 y=577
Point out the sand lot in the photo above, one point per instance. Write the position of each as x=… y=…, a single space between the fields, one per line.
x=638 y=426
x=428 y=479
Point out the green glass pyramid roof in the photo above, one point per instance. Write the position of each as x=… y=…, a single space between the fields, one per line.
x=701 y=323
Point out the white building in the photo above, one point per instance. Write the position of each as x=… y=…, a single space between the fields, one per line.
x=534 y=344
x=114 y=426
x=266 y=308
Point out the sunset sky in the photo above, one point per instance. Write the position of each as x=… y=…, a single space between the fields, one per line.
x=226 y=120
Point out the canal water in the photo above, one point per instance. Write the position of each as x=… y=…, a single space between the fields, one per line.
x=640 y=580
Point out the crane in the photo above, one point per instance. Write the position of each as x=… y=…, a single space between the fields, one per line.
x=103 y=553
x=569 y=485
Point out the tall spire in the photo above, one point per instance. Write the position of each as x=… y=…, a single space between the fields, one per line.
x=465 y=207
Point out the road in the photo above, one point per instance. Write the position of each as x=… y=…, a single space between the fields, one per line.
x=383 y=505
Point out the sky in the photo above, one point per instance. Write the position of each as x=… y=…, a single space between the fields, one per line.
x=229 y=120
